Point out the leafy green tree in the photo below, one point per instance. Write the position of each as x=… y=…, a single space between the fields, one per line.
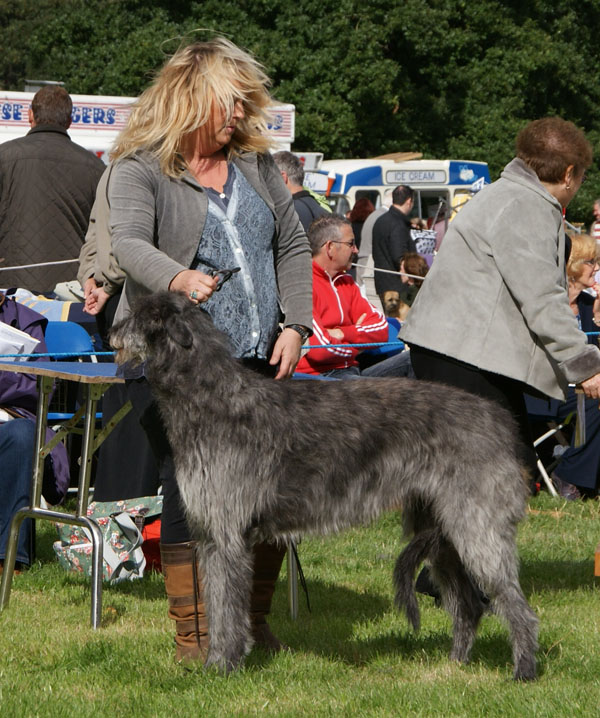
x=443 y=77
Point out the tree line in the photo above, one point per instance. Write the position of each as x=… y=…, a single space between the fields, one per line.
x=448 y=78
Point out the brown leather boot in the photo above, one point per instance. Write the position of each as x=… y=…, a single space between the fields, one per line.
x=183 y=584
x=268 y=558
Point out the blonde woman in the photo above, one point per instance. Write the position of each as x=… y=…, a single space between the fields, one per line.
x=577 y=473
x=194 y=193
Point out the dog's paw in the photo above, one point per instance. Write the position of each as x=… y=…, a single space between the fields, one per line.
x=223 y=664
x=525 y=669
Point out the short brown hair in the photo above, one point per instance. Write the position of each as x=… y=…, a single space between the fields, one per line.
x=416 y=265
x=52 y=105
x=361 y=210
x=550 y=145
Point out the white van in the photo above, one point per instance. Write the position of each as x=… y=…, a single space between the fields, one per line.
x=96 y=120
x=438 y=184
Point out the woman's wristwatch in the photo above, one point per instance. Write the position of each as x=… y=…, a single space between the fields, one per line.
x=304 y=332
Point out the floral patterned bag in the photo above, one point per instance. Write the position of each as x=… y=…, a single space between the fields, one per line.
x=121 y=524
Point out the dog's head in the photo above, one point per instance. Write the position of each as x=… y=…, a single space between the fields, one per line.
x=391 y=303
x=154 y=322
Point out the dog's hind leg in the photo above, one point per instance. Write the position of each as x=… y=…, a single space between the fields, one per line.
x=227 y=588
x=404 y=573
x=460 y=598
x=511 y=604
x=494 y=566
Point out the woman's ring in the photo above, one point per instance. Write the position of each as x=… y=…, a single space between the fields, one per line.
x=193 y=294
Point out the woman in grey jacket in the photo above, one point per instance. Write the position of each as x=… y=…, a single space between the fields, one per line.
x=493 y=315
x=194 y=193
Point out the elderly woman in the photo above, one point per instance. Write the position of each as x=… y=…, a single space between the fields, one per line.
x=493 y=316
x=579 y=467
x=194 y=193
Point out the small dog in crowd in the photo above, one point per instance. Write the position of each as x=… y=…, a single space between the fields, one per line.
x=392 y=305
x=258 y=459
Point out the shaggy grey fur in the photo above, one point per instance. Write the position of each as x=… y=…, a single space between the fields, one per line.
x=261 y=459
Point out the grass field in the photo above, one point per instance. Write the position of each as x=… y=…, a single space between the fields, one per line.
x=353 y=655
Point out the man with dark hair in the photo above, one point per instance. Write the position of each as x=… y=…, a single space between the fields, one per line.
x=391 y=241
x=47 y=188
x=306 y=206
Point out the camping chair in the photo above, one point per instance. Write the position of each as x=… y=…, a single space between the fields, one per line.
x=546 y=412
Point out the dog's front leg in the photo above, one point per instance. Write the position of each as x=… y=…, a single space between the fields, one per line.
x=228 y=584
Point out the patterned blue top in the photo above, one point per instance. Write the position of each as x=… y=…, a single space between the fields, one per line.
x=238 y=233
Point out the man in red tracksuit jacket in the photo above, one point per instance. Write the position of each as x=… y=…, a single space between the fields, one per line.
x=341 y=313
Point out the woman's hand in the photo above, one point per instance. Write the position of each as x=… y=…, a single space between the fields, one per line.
x=95 y=300
x=197 y=286
x=95 y=297
x=88 y=287
x=286 y=353
x=591 y=387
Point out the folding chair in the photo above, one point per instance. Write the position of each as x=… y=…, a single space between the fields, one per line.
x=545 y=411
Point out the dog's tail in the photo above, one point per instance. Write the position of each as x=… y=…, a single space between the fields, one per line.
x=418 y=549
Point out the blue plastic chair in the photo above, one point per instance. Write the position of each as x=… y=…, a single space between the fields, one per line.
x=70 y=338
x=73 y=340
x=384 y=351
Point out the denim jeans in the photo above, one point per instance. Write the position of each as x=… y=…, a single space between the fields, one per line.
x=397 y=365
x=17 y=438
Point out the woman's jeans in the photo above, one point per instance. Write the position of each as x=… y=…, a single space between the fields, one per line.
x=17 y=439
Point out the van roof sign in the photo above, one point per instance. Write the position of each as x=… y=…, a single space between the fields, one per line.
x=96 y=120
x=103 y=113
x=410 y=177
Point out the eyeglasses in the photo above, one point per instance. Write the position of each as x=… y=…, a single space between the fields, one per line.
x=339 y=241
x=592 y=262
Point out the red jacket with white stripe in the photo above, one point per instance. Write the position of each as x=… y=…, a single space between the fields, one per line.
x=338 y=302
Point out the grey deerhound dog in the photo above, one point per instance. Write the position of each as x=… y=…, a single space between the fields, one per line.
x=258 y=459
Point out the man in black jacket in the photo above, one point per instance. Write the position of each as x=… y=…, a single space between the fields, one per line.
x=391 y=241
x=306 y=206
x=47 y=188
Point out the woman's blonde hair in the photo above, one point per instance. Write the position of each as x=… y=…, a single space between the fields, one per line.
x=583 y=249
x=181 y=99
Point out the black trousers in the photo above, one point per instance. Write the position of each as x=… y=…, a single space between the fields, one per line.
x=431 y=366
x=126 y=464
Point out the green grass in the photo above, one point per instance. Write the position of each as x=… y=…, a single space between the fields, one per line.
x=353 y=655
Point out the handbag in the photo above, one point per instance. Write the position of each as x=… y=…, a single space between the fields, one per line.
x=424 y=240
x=123 y=524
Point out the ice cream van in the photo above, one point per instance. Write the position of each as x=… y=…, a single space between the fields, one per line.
x=441 y=186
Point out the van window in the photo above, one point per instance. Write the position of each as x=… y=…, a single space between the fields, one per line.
x=460 y=199
x=427 y=203
x=339 y=204
x=371 y=194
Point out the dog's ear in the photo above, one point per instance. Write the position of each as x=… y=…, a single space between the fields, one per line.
x=179 y=332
